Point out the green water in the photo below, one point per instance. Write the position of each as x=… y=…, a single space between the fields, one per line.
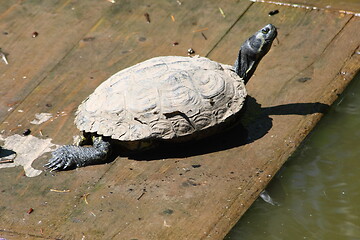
x=318 y=188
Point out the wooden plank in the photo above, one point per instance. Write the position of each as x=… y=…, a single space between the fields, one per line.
x=122 y=38
x=59 y=24
x=200 y=190
x=4 y=8
x=117 y=40
x=271 y=153
x=205 y=202
x=309 y=67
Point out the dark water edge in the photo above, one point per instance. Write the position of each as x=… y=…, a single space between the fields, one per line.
x=318 y=188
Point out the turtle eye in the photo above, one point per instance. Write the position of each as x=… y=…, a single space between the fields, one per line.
x=265 y=30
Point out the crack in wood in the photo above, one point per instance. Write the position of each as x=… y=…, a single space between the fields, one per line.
x=26 y=235
x=229 y=29
x=319 y=56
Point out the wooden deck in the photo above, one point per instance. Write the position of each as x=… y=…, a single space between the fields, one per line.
x=197 y=191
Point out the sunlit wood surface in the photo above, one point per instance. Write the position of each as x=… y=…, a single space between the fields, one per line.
x=60 y=51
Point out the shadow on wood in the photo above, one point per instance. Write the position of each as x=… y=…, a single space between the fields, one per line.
x=253 y=124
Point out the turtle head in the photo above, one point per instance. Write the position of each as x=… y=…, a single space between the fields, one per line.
x=252 y=51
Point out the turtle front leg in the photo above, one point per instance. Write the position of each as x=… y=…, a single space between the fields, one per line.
x=71 y=155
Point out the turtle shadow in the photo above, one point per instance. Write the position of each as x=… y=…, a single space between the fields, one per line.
x=253 y=123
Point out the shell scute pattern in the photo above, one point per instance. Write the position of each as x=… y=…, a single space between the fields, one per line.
x=164 y=128
x=180 y=98
x=182 y=126
x=209 y=83
x=164 y=97
x=203 y=120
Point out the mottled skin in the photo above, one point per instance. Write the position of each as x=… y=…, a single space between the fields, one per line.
x=72 y=155
x=253 y=50
x=250 y=54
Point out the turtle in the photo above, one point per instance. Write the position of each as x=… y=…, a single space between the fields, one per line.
x=166 y=98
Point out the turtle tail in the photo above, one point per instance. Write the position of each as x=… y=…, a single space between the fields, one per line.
x=75 y=156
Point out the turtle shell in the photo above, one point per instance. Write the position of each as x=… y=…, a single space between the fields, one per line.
x=163 y=98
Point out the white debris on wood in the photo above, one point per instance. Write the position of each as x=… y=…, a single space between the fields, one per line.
x=3 y=57
x=27 y=149
x=41 y=118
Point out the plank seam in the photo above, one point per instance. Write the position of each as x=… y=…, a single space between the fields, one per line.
x=25 y=234
x=229 y=29
x=326 y=47
x=319 y=56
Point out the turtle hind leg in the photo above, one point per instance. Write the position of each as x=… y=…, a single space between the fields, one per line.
x=76 y=156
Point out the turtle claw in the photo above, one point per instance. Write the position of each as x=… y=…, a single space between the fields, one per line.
x=60 y=159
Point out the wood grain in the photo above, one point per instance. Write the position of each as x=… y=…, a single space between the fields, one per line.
x=191 y=191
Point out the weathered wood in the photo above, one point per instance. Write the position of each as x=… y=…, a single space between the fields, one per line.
x=310 y=65
x=117 y=40
x=201 y=189
x=60 y=26
x=120 y=39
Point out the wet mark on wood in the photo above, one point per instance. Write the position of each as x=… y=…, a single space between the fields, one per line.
x=303 y=79
x=189 y=182
x=168 y=211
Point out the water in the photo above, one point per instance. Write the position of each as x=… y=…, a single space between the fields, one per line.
x=318 y=188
